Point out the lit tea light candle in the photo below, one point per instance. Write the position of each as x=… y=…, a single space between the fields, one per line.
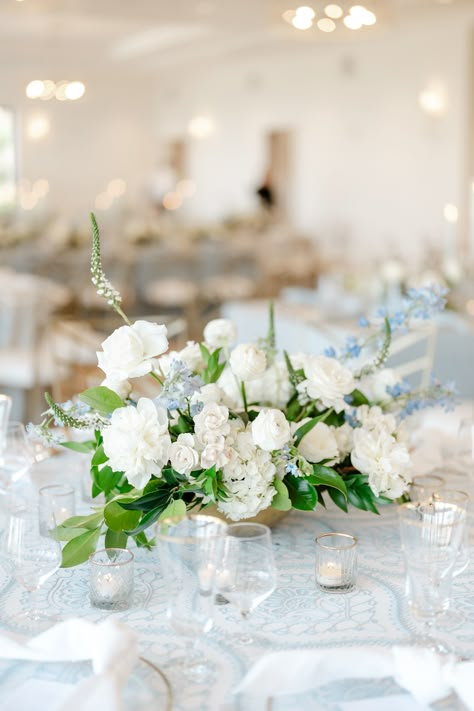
x=109 y=587
x=61 y=514
x=329 y=574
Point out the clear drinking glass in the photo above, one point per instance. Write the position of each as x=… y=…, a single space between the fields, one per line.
x=111 y=578
x=32 y=556
x=16 y=457
x=58 y=499
x=431 y=535
x=190 y=550
x=336 y=562
x=5 y=407
x=248 y=573
x=422 y=487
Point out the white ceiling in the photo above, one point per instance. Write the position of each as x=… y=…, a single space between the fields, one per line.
x=143 y=35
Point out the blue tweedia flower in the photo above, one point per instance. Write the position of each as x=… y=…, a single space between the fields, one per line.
x=426 y=301
x=381 y=312
x=364 y=322
x=353 y=347
x=291 y=468
x=196 y=408
x=330 y=352
x=435 y=395
x=179 y=386
x=398 y=390
x=349 y=399
x=351 y=418
x=398 y=320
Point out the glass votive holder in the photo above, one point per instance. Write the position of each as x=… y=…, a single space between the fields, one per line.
x=336 y=562
x=111 y=578
x=423 y=487
x=57 y=502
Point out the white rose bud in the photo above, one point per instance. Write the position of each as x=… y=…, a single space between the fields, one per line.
x=319 y=443
x=183 y=457
x=220 y=333
x=129 y=351
x=248 y=362
x=270 y=430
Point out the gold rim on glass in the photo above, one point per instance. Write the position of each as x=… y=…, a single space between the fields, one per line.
x=114 y=563
x=340 y=535
x=173 y=520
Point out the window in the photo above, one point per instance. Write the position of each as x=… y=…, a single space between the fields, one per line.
x=7 y=160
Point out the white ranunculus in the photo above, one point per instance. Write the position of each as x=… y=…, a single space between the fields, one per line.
x=215 y=454
x=385 y=460
x=137 y=441
x=183 y=457
x=271 y=430
x=207 y=394
x=129 y=351
x=374 y=418
x=213 y=418
x=220 y=333
x=123 y=388
x=319 y=443
x=248 y=362
x=191 y=355
x=327 y=380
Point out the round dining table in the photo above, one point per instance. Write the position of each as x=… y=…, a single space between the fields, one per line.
x=296 y=616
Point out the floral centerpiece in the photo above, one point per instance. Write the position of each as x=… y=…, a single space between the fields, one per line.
x=240 y=427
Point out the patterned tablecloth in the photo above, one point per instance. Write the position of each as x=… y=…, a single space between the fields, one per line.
x=296 y=615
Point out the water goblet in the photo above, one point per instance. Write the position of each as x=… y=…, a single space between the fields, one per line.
x=16 y=457
x=431 y=535
x=190 y=550
x=248 y=573
x=32 y=554
x=5 y=407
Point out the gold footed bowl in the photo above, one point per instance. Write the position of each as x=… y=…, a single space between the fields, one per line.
x=270 y=517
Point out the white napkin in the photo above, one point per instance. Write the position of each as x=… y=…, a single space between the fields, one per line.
x=110 y=645
x=426 y=675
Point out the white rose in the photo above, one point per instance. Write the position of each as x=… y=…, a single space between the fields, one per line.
x=344 y=439
x=137 y=441
x=375 y=386
x=232 y=395
x=327 y=380
x=386 y=461
x=220 y=333
x=129 y=351
x=183 y=457
x=123 y=388
x=212 y=418
x=271 y=430
x=248 y=362
x=215 y=454
x=319 y=443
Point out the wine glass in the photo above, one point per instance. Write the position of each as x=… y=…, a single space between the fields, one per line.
x=5 y=407
x=248 y=573
x=431 y=536
x=16 y=456
x=453 y=618
x=33 y=555
x=190 y=550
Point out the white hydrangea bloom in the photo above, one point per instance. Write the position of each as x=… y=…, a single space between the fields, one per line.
x=386 y=461
x=137 y=441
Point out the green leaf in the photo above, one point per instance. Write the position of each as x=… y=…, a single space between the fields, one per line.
x=84 y=447
x=148 y=502
x=281 y=501
x=119 y=519
x=308 y=426
x=174 y=509
x=148 y=520
x=204 y=353
x=358 y=398
x=101 y=399
x=325 y=476
x=99 y=457
x=356 y=500
x=90 y=521
x=67 y=534
x=302 y=494
x=115 y=539
x=80 y=549
x=108 y=479
x=142 y=541
x=338 y=498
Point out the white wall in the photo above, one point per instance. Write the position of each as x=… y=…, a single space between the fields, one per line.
x=105 y=135
x=372 y=172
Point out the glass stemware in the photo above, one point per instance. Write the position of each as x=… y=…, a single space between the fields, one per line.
x=32 y=554
x=190 y=550
x=431 y=535
x=422 y=487
x=16 y=456
x=248 y=573
x=5 y=407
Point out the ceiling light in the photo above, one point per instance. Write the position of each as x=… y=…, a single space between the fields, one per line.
x=288 y=16
x=74 y=90
x=301 y=22
x=60 y=92
x=201 y=126
x=352 y=22
x=49 y=90
x=450 y=213
x=37 y=127
x=358 y=11
x=35 y=89
x=334 y=11
x=326 y=25
x=433 y=99
x=305 y=11
x=369 y=18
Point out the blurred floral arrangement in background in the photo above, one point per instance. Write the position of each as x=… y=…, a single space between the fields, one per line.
x=240 y=427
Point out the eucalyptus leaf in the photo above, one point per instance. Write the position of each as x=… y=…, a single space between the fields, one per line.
x=119 y=519
x=101 y=399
